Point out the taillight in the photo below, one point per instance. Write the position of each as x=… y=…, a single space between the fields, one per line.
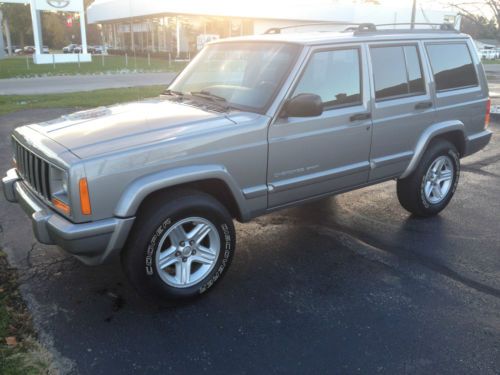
x=488 y=111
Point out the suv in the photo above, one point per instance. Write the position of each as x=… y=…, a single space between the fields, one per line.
x=252 y=125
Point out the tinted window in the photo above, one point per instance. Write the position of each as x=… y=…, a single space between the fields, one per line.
x=397 y=71
x=415 y=79
x=333 y=75
x=452 y=66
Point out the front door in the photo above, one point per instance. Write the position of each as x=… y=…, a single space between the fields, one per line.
x=314 y=156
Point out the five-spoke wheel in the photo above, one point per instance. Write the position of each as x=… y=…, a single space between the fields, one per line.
x=181 y=245
x=438 y=179
x=429 y=189
x=187 y=252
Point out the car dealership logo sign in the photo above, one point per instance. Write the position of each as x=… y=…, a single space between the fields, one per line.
x=58 y=3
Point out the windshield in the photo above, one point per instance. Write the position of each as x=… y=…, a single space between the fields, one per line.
x=245 y=75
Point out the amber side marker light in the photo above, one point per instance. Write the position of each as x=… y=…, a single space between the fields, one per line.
x=63 y=207
x=488 y=114
x=85 y=197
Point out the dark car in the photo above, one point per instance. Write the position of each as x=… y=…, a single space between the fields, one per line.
x=13 y=47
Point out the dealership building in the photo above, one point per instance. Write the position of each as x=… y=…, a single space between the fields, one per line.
x=183 y=26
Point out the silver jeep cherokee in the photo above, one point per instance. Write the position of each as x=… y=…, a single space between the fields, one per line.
x=252 y=125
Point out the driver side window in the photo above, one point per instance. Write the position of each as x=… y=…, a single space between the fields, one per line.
x=334 y=76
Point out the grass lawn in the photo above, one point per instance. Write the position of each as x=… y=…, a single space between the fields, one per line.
x=487 y=62
x=20 y=354
x=90 y=99
x=17 y=67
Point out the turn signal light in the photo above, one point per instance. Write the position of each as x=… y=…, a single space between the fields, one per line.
x=61 y=206
x=85 y=197
x=488 y=111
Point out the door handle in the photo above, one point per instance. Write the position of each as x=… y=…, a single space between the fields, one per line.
x=423 y=105
x=360 y=116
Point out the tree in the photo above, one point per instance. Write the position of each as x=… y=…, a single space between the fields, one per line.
x=479 y=28
x=17 y=23
x=474 y=11
x=54 y=30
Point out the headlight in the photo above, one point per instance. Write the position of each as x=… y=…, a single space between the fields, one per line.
x=59 y=190
x=64 y=183
x=58 y=182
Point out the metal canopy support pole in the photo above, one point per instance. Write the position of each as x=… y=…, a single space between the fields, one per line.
x=132 y=39
x=152 y=32
x=166 y=45
x=178 y=30
x=115 y=41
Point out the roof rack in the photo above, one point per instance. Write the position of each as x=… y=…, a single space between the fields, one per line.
x=431 y=27
x=277 y=30
x=373 y=28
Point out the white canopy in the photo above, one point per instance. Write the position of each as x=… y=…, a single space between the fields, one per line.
x=102 y=11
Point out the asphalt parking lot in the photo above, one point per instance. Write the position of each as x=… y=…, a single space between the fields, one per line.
x=350 y=284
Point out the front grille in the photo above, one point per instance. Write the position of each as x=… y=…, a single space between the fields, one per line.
x=33 y=170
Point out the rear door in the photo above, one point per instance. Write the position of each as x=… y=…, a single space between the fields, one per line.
x=317 y=155
x=402 y=107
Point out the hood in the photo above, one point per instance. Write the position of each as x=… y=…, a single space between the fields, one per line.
x=110 y=129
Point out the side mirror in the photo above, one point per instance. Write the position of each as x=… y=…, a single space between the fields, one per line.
x=303 y=105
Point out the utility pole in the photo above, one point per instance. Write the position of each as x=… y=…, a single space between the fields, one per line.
x=413 y=13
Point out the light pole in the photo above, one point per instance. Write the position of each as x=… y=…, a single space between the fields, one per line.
x=413 y=13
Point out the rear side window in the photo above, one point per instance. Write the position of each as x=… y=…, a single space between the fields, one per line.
x=334 y=76
x=452 y=66
x=397 y=71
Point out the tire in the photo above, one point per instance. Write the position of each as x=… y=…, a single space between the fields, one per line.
x=161 y=227
x=426 y=192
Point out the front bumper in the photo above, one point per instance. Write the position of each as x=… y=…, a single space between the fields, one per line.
x=92 y=243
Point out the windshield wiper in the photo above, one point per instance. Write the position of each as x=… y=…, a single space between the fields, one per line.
x=173 y=93
x=212 y=97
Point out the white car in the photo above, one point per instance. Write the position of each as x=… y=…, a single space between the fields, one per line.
x=69 y=48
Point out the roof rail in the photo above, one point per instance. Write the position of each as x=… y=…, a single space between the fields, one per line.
x=371 y=28
x=412 y=28
x=277 y=30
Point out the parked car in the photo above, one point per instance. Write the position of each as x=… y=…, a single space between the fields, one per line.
x=97 y=50
x=45 y=49
x=77 y=49
x=14 y=47
x=277 y=121
x=27 y=50
x=69 y=48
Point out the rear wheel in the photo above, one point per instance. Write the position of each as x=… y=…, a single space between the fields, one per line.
x=429 y=189
x=181 y=247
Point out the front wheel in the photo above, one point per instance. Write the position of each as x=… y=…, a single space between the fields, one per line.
x=181 y=247
x=429 y=189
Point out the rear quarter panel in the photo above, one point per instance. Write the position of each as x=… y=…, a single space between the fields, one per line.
x=466 y=105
